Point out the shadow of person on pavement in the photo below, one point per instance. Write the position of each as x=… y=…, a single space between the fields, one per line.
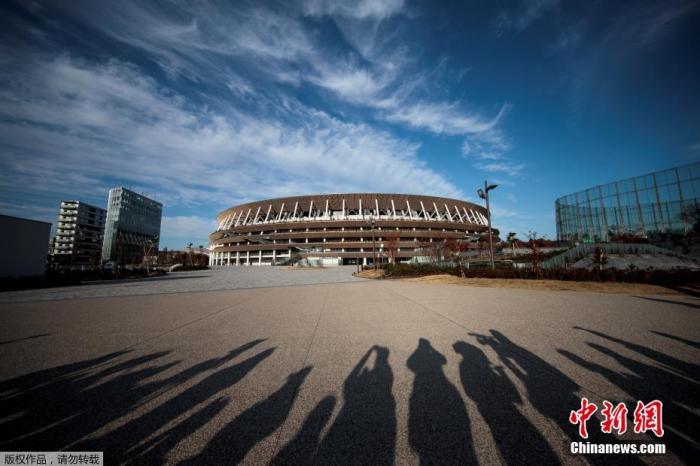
x=438 y=425
x=647 y=382
x=551 y=392
x=232 y=443
x=302 y=448
x=365 y=430
x=497 y=399
x=127 y=438
x=694 y=344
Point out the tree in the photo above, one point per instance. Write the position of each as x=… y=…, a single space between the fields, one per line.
x=189 y=252
x=512 y=239
x=454 y=249
x=600 y=258
x=391 y=246
x=535 y=254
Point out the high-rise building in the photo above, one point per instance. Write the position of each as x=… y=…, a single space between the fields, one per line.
x=133 y=226
x=79 y=233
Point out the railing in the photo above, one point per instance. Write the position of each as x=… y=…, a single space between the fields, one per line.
x=582 y=250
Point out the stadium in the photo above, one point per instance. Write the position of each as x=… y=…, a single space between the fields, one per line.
x=334 y=229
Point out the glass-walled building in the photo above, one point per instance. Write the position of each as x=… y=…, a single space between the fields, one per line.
x=132 y=227
x=663 y=202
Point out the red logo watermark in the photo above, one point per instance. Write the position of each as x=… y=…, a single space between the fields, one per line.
x=647 y=417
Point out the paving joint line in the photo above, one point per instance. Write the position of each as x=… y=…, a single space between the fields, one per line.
x=303 y=365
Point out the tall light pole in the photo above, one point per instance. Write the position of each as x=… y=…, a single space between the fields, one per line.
x=484 y=194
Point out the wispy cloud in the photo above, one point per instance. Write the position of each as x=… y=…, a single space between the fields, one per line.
x=507 y=168
x=523 y=15
x=108 y=119
x=362 y=9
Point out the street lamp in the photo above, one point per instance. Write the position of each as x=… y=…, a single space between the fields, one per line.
x=484 y=194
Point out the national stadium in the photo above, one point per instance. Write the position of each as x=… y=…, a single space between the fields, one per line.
x=334 y=229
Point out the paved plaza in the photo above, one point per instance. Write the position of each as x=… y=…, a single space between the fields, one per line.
x=280 y=366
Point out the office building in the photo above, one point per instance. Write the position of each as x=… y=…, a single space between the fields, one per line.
x=132 y=228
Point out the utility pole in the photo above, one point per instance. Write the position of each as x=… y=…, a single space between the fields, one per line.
x=484 y=194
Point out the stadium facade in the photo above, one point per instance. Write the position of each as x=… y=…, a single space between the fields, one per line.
x=340 y=228
x=659 y=203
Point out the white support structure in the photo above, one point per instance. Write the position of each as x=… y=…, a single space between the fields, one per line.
x=279 y=216
x=425 y=214
x=269 y=208
x=393 y=208
x=376 y=205
x=410 y=212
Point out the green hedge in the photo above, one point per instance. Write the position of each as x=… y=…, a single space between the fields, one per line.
x=657 y=277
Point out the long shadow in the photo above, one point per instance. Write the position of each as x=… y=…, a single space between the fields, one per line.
x=550 y=391
x=518 y=441
x=31 y=337
x=438 y=425
x=681 y=397
x=302 y=448
x=694 y=344
x=365 y=430
x=128 y=437
x=232 y=443
x=674 y=364
x=64 y=406
x=670 y=301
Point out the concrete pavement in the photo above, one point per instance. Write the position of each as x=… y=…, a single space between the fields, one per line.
x=373 y=372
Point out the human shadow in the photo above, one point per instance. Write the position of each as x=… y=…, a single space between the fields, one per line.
x=497 y=398
x=66 y=406
x=670 y=301
x=694 y=344
x=438 y=425
x=674 y=364
x=31 y=337
x=128 y=437
x=647 y=382
x=302 y=448
x=550 y=391
x=365 y=430
x=232 y=443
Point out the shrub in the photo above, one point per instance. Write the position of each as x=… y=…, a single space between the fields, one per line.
x=657 y=277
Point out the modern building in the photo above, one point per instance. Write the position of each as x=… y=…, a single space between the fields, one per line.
x=23 y=246
x=660 y=203
x=340 y=228
x=132 y=228
x=79 y=234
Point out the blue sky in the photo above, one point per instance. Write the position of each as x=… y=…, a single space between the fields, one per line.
x=204 y=105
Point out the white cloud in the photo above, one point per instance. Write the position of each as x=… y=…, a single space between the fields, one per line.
x=68 y=124
x=443 y=118
x=362 y=9
x=507 y=168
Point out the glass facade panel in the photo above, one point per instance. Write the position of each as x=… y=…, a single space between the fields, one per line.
x=639 y=206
